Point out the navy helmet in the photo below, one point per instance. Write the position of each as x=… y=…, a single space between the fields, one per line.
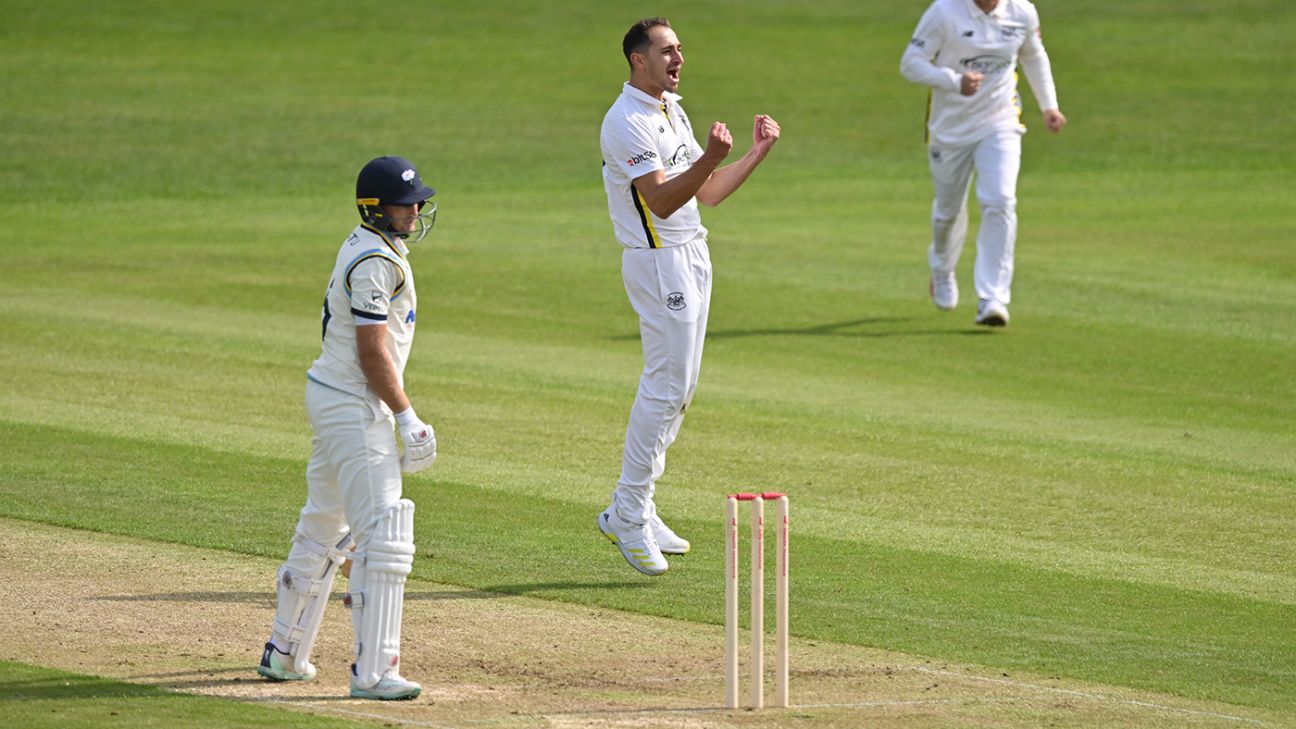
x=393 y=181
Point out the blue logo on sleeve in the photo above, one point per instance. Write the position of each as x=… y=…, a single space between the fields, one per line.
x=409 y=318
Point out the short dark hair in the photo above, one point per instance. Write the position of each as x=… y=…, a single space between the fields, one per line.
x=636 y=39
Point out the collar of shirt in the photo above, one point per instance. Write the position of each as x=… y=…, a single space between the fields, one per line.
x=999 y=9
x=396 y=244
x=643 y=98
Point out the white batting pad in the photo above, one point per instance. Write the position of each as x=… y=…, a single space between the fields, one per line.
x=378 y=598
x=302 y=598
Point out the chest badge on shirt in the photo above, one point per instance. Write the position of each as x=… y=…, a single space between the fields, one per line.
x=986 y=64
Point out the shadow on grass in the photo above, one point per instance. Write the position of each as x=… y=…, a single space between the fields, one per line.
x=484 y=593
x=872 y=328
x=526 y=589
x=70 y=686
x=494 y=592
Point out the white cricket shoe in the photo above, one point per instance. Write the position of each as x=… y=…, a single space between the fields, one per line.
x=391 y=687
x=944 y=290
x=635 y=541
x=278 y=666
x=991 y=313
x=667 y=540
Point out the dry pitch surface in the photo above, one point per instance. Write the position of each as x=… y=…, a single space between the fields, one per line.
x=193 y=620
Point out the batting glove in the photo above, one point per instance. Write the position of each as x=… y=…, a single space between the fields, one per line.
x=420 y=443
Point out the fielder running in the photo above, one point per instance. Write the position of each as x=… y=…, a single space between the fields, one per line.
x=353 y=480
x=655 y=173
x=967 y=51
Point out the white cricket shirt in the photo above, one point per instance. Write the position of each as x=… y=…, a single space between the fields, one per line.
x=955 y=36
x=642 y=135
x=372 y=285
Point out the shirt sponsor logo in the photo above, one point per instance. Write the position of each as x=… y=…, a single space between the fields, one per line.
x=681 y=156
x=649 y=155
x=988 y=65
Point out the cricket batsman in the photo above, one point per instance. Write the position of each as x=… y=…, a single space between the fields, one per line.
x=356 y=401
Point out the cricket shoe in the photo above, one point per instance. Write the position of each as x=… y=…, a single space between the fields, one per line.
x=944 y=290
x=991 y=313
x=667 y=540
x=391 y=687
x=635 y=541
x=278 y=666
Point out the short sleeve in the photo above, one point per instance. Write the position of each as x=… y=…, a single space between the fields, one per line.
x=371 y=281
x=632 y=147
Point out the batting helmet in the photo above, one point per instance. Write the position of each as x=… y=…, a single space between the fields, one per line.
x=393 y=181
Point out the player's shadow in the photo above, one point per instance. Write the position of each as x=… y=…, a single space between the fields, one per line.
x=876 y=327
x=490 y=592
x=221 y=597
x=498 y=591
x=228 y=682
x=872 y=327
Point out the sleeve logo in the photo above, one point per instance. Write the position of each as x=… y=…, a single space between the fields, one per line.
x=636 y=159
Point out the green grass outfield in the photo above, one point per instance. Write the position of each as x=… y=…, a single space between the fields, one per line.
x=41 y=697
x=1105 y=491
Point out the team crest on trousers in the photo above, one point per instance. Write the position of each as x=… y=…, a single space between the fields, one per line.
x=675 y=301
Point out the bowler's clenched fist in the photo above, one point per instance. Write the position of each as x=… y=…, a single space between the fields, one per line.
x=719 y=141
x=765 y=132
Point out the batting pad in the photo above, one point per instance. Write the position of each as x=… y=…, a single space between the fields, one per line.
x=302 y=598
x=376 y=611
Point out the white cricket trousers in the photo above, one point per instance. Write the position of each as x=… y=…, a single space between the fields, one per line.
x=996 y=160
x=353 y=475
x=670 y=290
